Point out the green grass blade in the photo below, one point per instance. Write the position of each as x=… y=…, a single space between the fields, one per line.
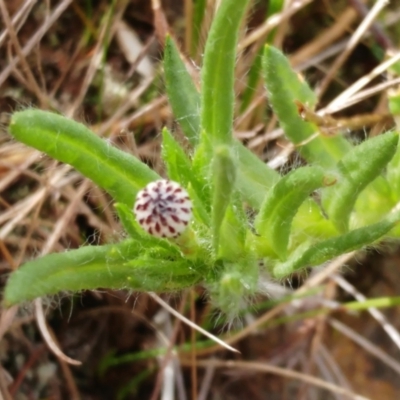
x=318 y=253
x=274 y=220
x=117 y=172
x=217 y=87
x=284 y=88
x=181 y=91
x=355 y=171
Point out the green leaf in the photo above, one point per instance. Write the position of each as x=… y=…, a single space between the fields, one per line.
x=181 y=91
x=355 y=171
x=274 y=220
x=223 y=178
x=178 y=165
x=113 y=266
x=117 y=172
x=284 y=88
x=254 y=177
x=317 y=253
x=217 y=88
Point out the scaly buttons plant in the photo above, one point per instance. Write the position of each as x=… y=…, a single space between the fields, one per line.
x=163 y=208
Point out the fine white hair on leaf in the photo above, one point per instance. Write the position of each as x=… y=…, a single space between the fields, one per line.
x=163 y=208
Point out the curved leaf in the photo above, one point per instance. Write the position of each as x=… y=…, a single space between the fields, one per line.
x=318 y=253
x=117 y=172
x=274 y=220
x=356 y=170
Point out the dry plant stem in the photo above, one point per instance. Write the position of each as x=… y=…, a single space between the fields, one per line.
x=129 y=103
x=95 y=62
x=160 y=21
x=365 y=344
x=21 y=209
x=171 y=342
x=18 y=18
x=7 y=256
x=325 y=38
x=34 y=223
x=4 y=392
x=35 y=39
x=281 y=29
x=47 y=336
x=188 y=25
x=6 y=319
x=193 y=343
x=11 y=176
x=206 y=383
x=337 y=104
x=376 y=29
x=14 y=39
x=272 y=22
x=143 y=115
x=360 y=31
x=191 y=324
x=60 y=226
x=30 y=362
x=262 y=367
x=364 y=94
x=325 y=355
x=317 y=338
x=376 y=314
x=143 y=53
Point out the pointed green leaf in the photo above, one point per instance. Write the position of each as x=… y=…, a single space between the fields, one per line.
x=284 y=88
x=217 y=88
x=355 y=171
x=180 y=169
x=274 y=220
x=182 y=93
x=178 y=165
x=318 y=253
x=117 y=172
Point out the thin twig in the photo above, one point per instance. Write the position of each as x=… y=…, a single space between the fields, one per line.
x=354 y=40
x=160 y=301
x=266 y=368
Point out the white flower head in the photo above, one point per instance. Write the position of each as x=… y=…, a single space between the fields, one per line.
x=163 y=208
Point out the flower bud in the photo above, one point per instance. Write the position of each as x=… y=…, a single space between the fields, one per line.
x=163 y=208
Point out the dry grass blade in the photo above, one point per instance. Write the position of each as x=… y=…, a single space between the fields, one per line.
x=262 y=367
x=35 y=39
x=48 y=337
x=365 y=344
x=160 y=301
x=358 y=34
x=378 y=315
x=271 y=23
